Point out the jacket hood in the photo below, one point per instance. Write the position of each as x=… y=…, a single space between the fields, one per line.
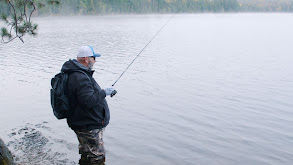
x=72 y=65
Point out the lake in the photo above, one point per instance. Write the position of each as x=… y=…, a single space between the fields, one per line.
x=210 y=89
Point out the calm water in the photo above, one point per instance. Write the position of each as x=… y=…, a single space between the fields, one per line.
x=210 y=89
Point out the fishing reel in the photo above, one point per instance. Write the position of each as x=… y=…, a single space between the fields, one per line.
x=113 y=93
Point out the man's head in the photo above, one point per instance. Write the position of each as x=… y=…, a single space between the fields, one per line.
x=87 y=56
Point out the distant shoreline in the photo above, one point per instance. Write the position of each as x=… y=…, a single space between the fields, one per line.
x=150 y=14
x=121 y=7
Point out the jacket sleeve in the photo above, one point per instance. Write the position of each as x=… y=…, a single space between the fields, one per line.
x=87 y=95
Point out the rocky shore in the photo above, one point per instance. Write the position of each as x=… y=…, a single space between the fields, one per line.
x=5 y=155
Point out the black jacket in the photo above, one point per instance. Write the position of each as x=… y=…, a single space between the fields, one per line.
x=88 y=106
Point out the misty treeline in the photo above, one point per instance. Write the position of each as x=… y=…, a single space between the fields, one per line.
x=265 y=5
x=73 y=7
x=144 y=6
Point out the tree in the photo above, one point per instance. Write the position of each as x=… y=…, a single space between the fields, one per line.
x=18 y=18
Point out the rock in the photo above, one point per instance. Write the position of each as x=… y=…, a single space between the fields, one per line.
x=5 y=155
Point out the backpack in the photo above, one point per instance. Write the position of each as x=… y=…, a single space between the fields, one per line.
x=58 y=92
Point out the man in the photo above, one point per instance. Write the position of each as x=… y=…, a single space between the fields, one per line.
x=89 y=112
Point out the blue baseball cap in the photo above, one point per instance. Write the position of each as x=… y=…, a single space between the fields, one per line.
x=87 y=51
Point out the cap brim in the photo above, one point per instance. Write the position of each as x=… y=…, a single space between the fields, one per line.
x=97 y=55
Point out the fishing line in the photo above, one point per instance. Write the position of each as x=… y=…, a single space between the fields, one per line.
x=142 y=50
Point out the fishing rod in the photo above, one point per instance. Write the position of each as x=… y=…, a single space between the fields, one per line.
x=142 y=50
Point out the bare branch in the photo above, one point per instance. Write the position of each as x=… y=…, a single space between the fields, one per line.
x=5 y=42
x=20 y=39
x=34 y=8
x=15 y=20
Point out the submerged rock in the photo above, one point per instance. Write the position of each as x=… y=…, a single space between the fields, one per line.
x=5 y=155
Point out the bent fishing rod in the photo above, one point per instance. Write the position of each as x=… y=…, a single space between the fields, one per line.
x=142 y=50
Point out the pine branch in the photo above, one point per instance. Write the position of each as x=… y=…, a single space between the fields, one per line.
x=20 y=22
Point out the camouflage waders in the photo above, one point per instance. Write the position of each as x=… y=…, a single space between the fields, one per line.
x=91 y=146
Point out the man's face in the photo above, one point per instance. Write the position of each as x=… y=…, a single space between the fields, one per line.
x=91 y=63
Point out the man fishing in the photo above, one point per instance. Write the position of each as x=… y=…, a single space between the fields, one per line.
x=89 y=111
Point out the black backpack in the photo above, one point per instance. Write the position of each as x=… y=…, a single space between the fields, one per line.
x=59 y=98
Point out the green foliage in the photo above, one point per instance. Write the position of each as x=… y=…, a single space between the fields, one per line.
x=53 y=2
x=82 y=7
x=266 y=6
x=40 y=5
x=5 y=33
x=4 y=17
x=168 y=6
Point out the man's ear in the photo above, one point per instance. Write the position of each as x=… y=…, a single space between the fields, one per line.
x=86 y=60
